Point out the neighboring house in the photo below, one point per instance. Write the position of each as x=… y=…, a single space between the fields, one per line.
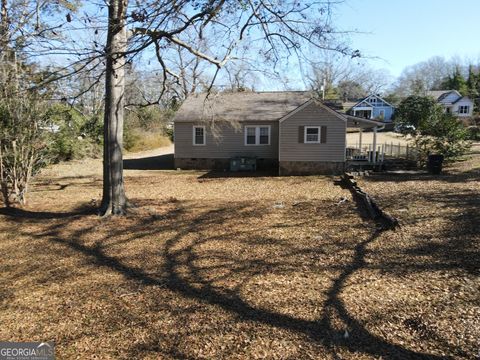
x=372 y=107
x=453 y=102
x=290 y=130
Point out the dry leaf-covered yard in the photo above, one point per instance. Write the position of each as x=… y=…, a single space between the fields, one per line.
x=244 y=268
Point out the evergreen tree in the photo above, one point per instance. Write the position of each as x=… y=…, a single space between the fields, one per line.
x=472 y=83
x=456 y=81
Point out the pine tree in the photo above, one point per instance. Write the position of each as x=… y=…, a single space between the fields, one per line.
x=457 y=82
x=472 y=83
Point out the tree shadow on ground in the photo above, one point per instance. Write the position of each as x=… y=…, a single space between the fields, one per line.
x=447 y=175
x=459 y=248
x=161 y=162
x=20 y=213
x=181 y=272
x=218 y=174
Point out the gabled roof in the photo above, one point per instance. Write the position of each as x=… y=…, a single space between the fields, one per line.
x=363 y=103
x=317 y=102
x=463 y=98
x=439 y=95
x=370 y=96
x=436 y=93
x=255 y=106
x=241 y=106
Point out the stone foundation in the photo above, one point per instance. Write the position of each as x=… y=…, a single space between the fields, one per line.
x=311 y=168
x=219 y=164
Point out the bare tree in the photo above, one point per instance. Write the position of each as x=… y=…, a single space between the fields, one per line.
x=282 y=27
x=22 y=145
x=346 y=76
x=273 y=31
x=114 y=200
x=23 y=126
x=427 y=75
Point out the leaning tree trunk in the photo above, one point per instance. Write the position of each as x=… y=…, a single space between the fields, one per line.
x=114 y=200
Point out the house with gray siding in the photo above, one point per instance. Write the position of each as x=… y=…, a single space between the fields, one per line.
x=290 y=130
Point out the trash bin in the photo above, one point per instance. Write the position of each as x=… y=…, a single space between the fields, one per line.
x=434 y=164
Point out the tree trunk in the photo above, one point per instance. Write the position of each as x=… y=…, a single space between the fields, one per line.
x=4 y=27
x=114 y=201
x=3 y=180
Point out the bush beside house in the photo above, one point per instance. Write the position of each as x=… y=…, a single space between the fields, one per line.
x=433 y=130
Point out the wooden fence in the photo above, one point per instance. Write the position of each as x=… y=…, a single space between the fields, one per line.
x=386 y=150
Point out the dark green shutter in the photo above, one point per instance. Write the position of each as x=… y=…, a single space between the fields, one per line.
x=323 y=135
x=301 y=134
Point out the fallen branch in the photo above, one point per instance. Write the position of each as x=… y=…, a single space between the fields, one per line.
x=386 y=220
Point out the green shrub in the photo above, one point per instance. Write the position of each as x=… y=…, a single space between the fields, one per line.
x=433 y=130
x=169 y=133
x=473 y=133
x=72 y=135
x=92 y=129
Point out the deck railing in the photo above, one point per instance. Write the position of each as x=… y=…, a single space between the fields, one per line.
x=382 y=151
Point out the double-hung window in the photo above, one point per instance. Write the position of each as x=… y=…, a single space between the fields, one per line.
x=312 y=135
x=463 y=109
x=257 y=135
x=199 y=135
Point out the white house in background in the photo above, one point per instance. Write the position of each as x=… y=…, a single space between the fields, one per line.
x=453 y=102
x=372 y=107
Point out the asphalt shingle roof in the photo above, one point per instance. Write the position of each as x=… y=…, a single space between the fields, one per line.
x=439 y=95
x=241 y=106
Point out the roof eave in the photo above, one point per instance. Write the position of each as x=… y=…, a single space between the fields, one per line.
x=375 y=123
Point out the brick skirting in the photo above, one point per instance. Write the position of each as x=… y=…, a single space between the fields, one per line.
x=219 y=164
x=311 y=168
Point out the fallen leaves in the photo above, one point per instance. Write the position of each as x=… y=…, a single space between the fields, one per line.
x=214 y=269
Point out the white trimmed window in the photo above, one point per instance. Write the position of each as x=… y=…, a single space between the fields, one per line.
x=257 y=135
x=199 y=135
x=312 y=135
x=464 y=109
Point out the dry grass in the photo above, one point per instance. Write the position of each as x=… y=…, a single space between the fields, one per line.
x=244 y=268
x=142 y=140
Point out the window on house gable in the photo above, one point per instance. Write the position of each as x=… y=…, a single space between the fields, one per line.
x=464 y=109
x=312 y=135
x=199 y=135
x=257 y=135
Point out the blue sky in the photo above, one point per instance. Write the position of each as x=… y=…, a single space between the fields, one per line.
x=405 y=32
